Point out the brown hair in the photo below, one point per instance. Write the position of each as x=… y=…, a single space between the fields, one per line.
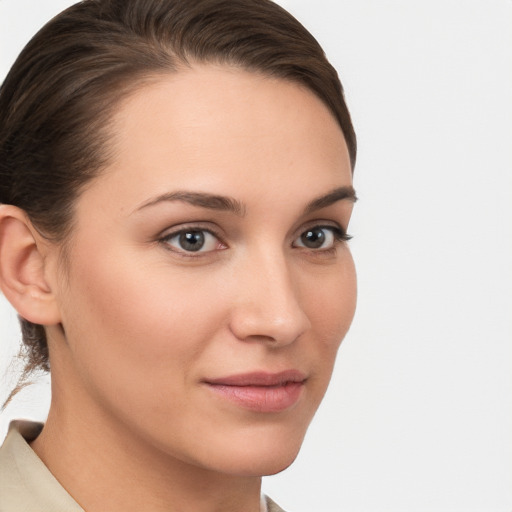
x=57 y=99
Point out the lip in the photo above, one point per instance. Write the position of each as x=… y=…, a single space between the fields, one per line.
x=260 y=391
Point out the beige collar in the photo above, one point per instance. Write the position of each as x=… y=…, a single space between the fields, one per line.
x=25 y=482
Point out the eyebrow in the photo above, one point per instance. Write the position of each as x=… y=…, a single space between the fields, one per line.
x=338 y=194
x=201 y=199
x=229 y=204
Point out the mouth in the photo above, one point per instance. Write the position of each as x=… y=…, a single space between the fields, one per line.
x=260 y=391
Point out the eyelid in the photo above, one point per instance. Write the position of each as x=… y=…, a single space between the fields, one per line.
x=324 y=224
x=191 y=226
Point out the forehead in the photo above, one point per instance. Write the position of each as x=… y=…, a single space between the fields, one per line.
x=210 y=126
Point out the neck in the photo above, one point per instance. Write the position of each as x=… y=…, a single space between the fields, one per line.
x=119 y=471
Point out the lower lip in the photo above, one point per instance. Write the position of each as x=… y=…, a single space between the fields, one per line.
x=261 y=398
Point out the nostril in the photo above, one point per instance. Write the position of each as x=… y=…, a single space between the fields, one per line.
x=262 y=325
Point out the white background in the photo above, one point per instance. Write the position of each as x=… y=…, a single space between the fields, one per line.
x=419 y=413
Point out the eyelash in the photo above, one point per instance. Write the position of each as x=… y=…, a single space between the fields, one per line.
x=338 y=234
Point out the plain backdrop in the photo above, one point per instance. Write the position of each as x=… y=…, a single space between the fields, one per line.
x=419 y=414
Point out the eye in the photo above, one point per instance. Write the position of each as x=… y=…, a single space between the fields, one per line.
x=320 y=237
x=193 y=240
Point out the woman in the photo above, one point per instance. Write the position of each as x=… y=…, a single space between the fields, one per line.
x=176 y=189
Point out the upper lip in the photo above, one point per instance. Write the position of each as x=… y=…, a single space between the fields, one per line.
x=259 y=378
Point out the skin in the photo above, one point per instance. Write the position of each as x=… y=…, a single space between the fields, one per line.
x=141 y=323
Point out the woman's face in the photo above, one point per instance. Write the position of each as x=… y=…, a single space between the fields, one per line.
x=208 y=284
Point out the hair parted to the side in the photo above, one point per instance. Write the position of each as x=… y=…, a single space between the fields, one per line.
x=58 y=98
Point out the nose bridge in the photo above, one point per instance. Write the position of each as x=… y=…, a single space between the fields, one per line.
x=268 y=302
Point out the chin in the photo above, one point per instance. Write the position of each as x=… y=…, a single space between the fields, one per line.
x=252 y=445
x=261 y=466
x=276 y=466
x=263 y=458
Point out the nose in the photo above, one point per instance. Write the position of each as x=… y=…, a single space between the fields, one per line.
x=267 y=304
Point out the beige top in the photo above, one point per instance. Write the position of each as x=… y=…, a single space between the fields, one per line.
x=26 y=484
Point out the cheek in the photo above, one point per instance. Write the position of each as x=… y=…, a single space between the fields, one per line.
x=331 y=302
x=134 y=327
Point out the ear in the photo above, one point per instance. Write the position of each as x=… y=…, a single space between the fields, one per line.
x=22 y=268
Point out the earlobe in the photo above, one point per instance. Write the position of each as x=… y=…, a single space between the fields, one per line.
x=22 y=269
